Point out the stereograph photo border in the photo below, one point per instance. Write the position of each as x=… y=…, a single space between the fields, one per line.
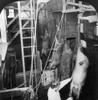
x=94 y=3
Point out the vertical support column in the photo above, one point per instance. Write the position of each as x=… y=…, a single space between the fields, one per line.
x=21 y=38
x=3 y=24
x=64 y=5
x=79 y=23
x=36 y=53
x=32 y=48
x=97 y=25
x=96 y=28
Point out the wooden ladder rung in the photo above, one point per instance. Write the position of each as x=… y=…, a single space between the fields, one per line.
x=27 y=56
x=28 y=37
x=26 y=47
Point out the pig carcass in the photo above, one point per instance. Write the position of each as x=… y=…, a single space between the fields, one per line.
x=79 y=73
x=65 y=62
x=55 y=60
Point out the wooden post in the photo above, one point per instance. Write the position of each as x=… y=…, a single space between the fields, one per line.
x=64 y=5
x=97 y=28
x=23 y=60
x=12 y=20
x=3 y=23
x=80 y=14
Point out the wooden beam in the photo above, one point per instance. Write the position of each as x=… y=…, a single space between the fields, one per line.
x=13 y=37
x=71 y=10
x=14 y=92
x=11 y=7
x=12 y=20
x=15 y=89
x=81 y=5
x=3 y=23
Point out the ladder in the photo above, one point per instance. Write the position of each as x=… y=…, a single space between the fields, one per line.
x=27 y=14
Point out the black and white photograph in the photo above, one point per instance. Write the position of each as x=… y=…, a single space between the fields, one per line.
x=48 y=49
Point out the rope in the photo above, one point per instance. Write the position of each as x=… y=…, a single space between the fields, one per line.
x=54 y=41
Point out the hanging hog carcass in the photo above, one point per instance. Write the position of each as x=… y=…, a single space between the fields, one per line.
x=65 y=62
x=55 y=60
x=45 y=48
x=79 y=73
x=63 y=58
